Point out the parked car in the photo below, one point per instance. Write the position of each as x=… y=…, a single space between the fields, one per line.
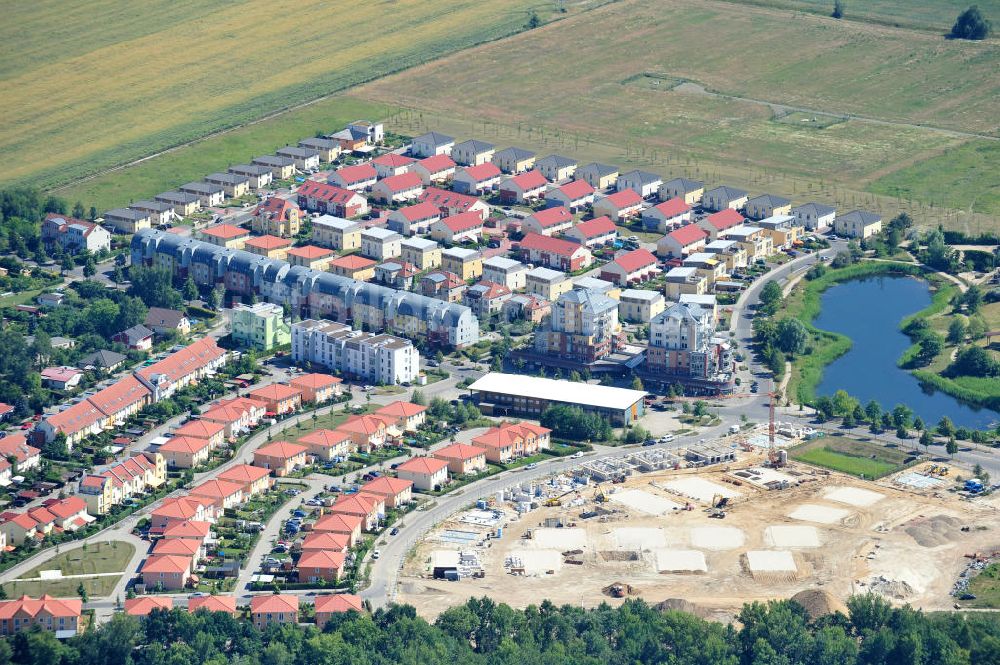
x=394 y=531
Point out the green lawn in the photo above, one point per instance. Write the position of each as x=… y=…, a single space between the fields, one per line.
x=857 y=458
x=95 y=558
x=986 y=588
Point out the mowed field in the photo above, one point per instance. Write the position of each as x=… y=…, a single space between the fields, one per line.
x=582 y=86
x=113 y=82
x=931 y=15
x=857 y=458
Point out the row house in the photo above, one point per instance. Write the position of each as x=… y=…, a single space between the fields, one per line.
x=413 y=220
x=555 y=253
x=398 y=188
x=453 y=203
x=331 y=199
x=436 y=169
x=524 y=188
x=620 y=206
x=575 y=196
x=670 y=214
x=511 y=441
x=548 y=222
x=136 y=475
x=597 y=232
x=476 y=180
x=236 y=415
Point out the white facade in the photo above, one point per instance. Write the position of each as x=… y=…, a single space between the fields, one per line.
x=508 y=272
x=376 y=358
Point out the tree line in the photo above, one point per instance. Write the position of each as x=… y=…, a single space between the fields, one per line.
x=483 y=631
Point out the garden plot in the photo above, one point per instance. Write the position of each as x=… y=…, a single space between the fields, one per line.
x=717 y=537
x=700 y=489
x=770 y=561
x=639 y=538
x=646 y=502
x=853 y=496
x=680 y=561
x=811 y=512
x=535 y=562
x=563 y=539
x=791 y=536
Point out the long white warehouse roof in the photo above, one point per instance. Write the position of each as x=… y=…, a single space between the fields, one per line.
x=572 y=392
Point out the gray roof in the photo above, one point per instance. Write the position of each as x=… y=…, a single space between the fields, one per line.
x=102 y=359
x=158 y=206
x=125 y=213
x=683 y=311
x=137 y=332
x=177 y=197
x=770 y=199
x=227 y=178
x=201 y=188
x=555 y=161
x=730 y=193
x=274 y=160
x=295 y=151
x=590 y=300
x=475 y=145
x=434 y=138
x=249 y=169
x=685 y=185
x=517 y=154
x=817 y=209
x=597 y=169
x=644 y=177
x=318 y=142
x=862 y=216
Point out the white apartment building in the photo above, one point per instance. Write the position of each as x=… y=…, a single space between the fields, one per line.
x=501 y=270
x=375 y=358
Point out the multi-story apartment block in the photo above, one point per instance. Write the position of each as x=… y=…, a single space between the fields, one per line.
x=375 y=358
x=583 y=327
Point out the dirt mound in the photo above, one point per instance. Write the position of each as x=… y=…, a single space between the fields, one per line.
x=896 y=589
x=620 y=590
x=681 y=605
x=935 y=531
x=818 y=603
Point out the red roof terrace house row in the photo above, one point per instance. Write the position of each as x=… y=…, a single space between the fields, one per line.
x=331 y=199
x=453 y=203
x=555 y=253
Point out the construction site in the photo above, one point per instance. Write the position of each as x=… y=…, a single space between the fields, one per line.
x=707 y=529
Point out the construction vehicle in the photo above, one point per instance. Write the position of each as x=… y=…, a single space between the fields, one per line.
x=599 y=496
x=719 y=501
x=553 y=502
x=718 y=514
x=943 y=471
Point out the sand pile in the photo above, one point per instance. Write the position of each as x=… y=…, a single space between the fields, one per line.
x=897 y=589
x=681 y=605
x=935 y=531
x=818 y=603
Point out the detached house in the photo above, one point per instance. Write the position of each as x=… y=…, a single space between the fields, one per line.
x=555 y=253
x=466 y=263
x=523 y=188
x=391 y=164
x=311 y=256
x=508 y=272
x=414 y=219
x=431 y=144
x=462 y=458
x=815 y=216
x=620 y=206
x=317 y=388
x=336 y=232
x=858 y=224
x=329 y=605
x=280 y=457
x=767 y=205
x=277 y=398
x=514 y=160
x=596 y=232
x=367 y=432
x=184 y=452
x=357 y=177
x=395 y=492
x=258 y=175
x=574 y=195
x=305 y=159
x=423 y=253
x=282 y=168
x=724 y=197
x=269 y=246
x=643 y=183
x=407 y=416
x=320 y=565
x=477 y=180
x=225 y=235
x=274 y=609
x=75 y=234
x=668 y=215
x=398 y=188
x=327 y=444
x=210 y=195
x=599 y=176
x=454 y=229
x=55 y=615
x=380 y=244
x=233 y=184
x=253 y=480
x=546 y=284
x=548 y=222
x=127 y=220
x=472 y=152
x=139 y=338
x=162 y=321
x=633 y=267
x=184 y=203
x=426 y=473
x=719 y=224
x=439 y=168
x=681 y=242
x=689 y=191
x=328 y=149
x=556 y=167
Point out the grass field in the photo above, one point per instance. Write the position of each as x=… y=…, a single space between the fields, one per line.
x=95 y=558
x=580 y=88
x=933 y=15
x=110 y=84
x=857 y=458
x=986 y=588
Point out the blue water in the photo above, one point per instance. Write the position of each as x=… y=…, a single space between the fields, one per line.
x=869 y=311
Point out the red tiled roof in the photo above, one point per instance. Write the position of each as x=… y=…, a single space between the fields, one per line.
x=528 y=181
x=225 y=231
x=166 y=563
x=16 y=445
x=199 y=429
x=217 y=489
x=352 y=262
x=184 y=444
x=437 y=163
x=177 y=547
x=274 y=604
x=552 y=245
x=672 y=207
x=484 y=171
x=325 y=437
x=402 y=409
x=46 y=604
x=355 y=504
x=274 y=391
x=177 y=508
x=281 y=449
x=403 y=182
x=77 y=417
x=357 y=173
x=365 y=424
x=464 y=221
x=384 y=485
x=71 y=505
x=120 y=396
x=393 y=160
x=419 y=211
x=428 y=465
x=636 y=260
x=213 y=604
x=335 y=542
x=462 y=451
x=576 y=189
x=327 y=192
x=625 y=199
x=60 y=374
x=340 y=602
x=243 y=473
x=268 y=242
x=596 y=227
x=185 y=362
x=442 y=198
x=187 y=529
x=552 y=216
x=687 y=235
x=337 y=523
x=275 y=207
x=322 y=559
x=315 y=380
x=310 y=252
x=142 y=605
x=725 y=219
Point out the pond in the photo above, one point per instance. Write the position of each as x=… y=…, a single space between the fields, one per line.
x=869 y=311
